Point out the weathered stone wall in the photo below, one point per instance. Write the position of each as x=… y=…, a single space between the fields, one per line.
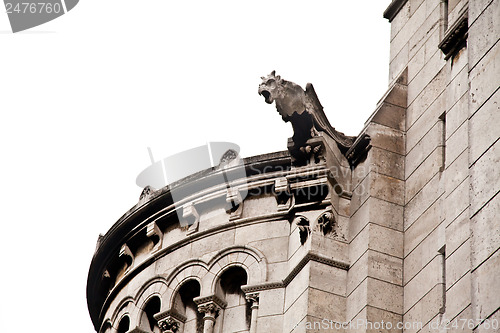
x=409 y=236
x=374 y=284
x=451 y=234
x=484 y=158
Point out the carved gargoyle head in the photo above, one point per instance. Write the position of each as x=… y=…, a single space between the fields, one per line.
x=270 y=87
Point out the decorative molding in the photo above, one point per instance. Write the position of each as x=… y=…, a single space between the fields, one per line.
x=170 y=314
x=262 y=286
x=456 y=35
x=211 y=299
x=146 y=193
x=155 y=234
x=310 y=256
x=393 y=9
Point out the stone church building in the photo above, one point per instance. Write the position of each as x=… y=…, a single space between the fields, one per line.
x=395 y=230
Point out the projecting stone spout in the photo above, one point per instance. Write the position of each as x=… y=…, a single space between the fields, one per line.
x=305 y=112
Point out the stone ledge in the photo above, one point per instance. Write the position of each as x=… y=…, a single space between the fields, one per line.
x=310 y=256
x=393 y=9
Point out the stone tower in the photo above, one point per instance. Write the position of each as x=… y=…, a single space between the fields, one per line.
x=395 y=230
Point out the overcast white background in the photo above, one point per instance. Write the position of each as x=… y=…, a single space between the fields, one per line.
x=83 y=96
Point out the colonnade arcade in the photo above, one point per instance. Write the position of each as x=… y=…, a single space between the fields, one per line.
x=196 y=297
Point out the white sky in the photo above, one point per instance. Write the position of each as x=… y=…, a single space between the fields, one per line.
x=83 y=96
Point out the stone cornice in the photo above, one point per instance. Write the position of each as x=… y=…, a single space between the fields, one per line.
x=455 y=36
x=170 y=313
x=393 y=9
x=310 y=256
x=202 y=300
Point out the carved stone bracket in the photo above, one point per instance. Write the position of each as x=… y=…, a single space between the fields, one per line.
x=234 y=203
x=308 y=153
x=155 y=234
x=325 y=222
x=304 y=228
x=191 y=217
x=284 y=197
x=126 y=255
x=327 y=225
x=106 y=281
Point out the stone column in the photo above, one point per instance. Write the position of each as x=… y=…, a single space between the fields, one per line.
x=253 y=298
x=210 y=311
x=169 y=325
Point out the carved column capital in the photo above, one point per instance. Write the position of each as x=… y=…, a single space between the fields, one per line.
x=253 y=298
x=169 y=321
x=210 y=306
x=210 y=310
x=169 y=325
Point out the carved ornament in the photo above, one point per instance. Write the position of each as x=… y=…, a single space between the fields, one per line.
x=305 y=112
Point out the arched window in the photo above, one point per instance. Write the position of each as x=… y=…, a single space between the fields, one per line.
x=185 y=306
x=106 y=328
x=236 y=315
x=124 y=325
x=148 y=322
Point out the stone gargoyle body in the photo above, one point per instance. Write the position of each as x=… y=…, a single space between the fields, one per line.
x=305 y=112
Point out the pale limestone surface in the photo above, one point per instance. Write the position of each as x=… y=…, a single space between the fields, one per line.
x=414 y=231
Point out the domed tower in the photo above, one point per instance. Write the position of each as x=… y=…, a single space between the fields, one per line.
x=260 y=244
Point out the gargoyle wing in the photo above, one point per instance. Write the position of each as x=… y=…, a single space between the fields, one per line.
x=321 y=122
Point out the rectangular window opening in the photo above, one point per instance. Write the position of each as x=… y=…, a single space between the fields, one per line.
x=442 y=256
x=442 y=144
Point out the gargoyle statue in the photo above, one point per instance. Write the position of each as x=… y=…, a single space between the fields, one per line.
x=305 y=112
